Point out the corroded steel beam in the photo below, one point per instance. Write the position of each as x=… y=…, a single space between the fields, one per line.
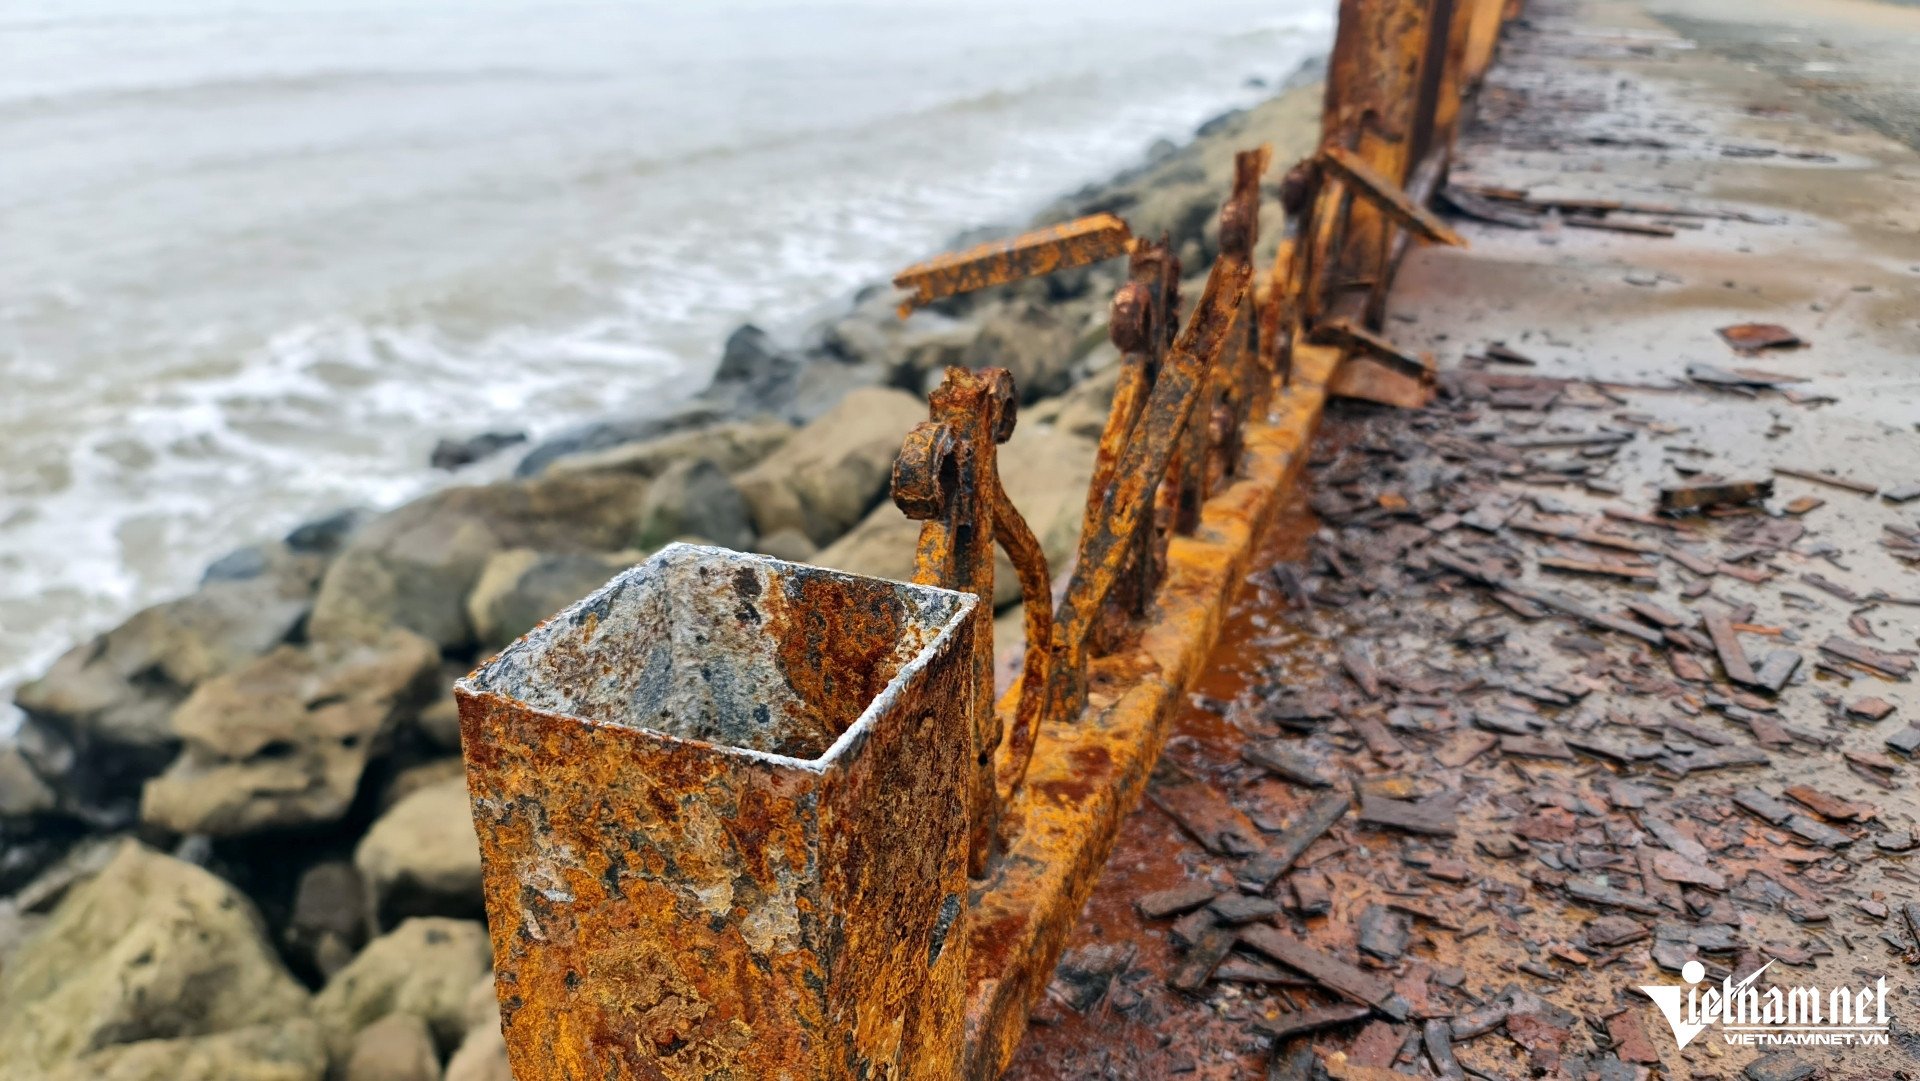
x=1029 y=255
x=945 y=490
x=1388 y=197
x=721 y=805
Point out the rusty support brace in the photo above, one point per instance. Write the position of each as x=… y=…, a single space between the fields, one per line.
x=1387 y=196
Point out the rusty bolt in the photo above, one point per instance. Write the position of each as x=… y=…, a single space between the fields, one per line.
x=1127 y=320
x=922 y=472
x=1005 y=402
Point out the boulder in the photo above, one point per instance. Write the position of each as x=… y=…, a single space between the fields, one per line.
x=283 y=741
x=694 y=498
x=326 y=534
x=22 y=793
x=149 y=949
x=420 y=775
x=425 y=968
x=454 y=453
x=482 y=1054
x=1082 y=411
x=755 y=374
x=328 y=922
x=520 y=587
x=414 y=567
x=834 y=469
x=1045 y=472
x=422 y=857
x=397 y=1047
x=440 y=721
x=601 y=434
x=1032 y=339
x=789 y=544
x=111 y=698
x=285 y=1051
x=733 y=446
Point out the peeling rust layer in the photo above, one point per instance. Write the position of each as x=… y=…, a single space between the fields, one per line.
x=1085 y=777
x=670 y=893
x=1032 y=254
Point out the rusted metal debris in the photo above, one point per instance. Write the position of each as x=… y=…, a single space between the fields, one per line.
x=1752 y=337
x=999 y=262
x=1693 y=498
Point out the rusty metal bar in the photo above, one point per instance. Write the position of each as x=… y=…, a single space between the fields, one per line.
x=1387 y=196
x=1032 y=254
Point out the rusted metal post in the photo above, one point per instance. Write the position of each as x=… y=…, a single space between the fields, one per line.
x=722 y=805
x=939 y=478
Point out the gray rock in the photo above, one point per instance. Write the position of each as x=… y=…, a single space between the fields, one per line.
x=22 y=792
x=283 y=741
x=482 y=1056
x=111 y=698
x=328 y=922
x=1032 y=339
x=397 y=1047
x=833 y=470
x=414 y=567
x=150 y=949
x=425 y=967
x=520 y=587
x=694 y=498
x=284 y=1051
x=325 y=535
x=788 y=544
x=750 y=356
x=238 y=565
x=454 y=453
x=422 y=857
x=599 y=435
x=78 y=864
x=440 y=722
x=732 y=446
x=420 y=776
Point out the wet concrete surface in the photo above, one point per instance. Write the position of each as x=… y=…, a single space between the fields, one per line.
x=1550 y=812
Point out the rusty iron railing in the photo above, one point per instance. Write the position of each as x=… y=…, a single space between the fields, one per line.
x=728 y=807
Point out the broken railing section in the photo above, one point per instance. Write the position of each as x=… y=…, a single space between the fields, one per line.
x=1172 y=436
